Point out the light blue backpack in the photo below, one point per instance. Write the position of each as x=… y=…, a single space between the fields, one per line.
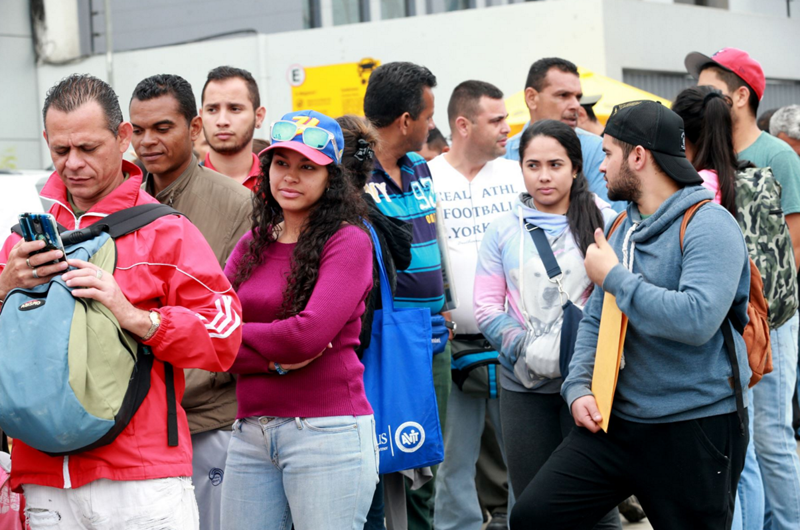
x=72 y=378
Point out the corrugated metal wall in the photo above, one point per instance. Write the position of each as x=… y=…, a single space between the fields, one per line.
x=667 y=85
x=141 y=24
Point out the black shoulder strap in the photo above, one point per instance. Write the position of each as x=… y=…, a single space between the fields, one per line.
x=120 y=223
x=117 y=224
x=545 y=252
x=727 y=334
x=730 y=345
x=132 y=219
x=172 y=410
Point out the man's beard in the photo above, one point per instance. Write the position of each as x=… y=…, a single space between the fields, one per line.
x=235 y=148
x=626 y=187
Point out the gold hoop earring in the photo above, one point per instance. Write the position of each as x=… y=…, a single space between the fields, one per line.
x=574 y=176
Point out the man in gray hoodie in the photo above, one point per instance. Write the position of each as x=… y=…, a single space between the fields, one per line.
x=676 y=438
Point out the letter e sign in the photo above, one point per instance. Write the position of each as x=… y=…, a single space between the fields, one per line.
x=296 y=75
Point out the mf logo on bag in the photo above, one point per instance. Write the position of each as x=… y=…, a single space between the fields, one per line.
x=409 y=436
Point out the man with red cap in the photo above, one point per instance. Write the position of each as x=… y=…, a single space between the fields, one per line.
x=775 y=474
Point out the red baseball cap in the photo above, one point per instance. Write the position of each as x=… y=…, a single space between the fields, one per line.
x=734 y=60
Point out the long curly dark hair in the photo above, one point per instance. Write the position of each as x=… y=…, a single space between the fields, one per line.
x=340 y=204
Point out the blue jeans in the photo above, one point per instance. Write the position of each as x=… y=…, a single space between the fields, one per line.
x=318 y=473
x=749 y=511
x=775 y=447
x=456 y=505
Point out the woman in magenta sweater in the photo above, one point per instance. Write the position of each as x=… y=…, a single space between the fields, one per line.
x=303 y=449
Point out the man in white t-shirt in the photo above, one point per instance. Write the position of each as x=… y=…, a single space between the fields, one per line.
x=475 y=185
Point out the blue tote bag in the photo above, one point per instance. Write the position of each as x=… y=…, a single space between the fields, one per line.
x=398 y=380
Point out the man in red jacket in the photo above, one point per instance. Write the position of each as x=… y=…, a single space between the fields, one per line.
x=167 y=290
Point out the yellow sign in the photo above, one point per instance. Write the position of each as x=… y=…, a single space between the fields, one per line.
x=334 y=90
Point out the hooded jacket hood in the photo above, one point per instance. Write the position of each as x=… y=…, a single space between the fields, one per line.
x=670 y=210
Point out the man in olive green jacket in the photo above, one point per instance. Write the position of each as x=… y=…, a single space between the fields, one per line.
x=165 y=121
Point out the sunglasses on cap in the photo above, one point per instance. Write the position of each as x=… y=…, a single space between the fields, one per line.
x=314 y=137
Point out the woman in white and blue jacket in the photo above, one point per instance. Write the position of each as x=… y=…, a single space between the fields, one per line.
x=519 y=309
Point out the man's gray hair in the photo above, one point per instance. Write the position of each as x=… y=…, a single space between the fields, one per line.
x=74 y=91
x=786 y=120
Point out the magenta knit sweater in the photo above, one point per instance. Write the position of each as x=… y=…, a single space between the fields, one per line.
x=331 y=385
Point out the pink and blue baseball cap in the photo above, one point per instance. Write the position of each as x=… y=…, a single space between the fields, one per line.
x=312 y=134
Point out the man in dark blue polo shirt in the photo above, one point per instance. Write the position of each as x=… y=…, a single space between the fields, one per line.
x=399 y=103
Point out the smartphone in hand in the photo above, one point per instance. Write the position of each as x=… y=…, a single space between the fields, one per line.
x=42 y=226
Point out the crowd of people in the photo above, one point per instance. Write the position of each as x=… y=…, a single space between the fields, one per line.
x=263 y=285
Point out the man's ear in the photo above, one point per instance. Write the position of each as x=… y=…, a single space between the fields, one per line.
x=638 y=158
x=124 y=135
x=462 y=126
x=195 y=127
x=404 y=123
x=531 y=98
x=261 y=113
x=44 y=134
x=741 y=97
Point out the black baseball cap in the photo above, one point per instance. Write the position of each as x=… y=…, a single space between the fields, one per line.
x=657 y=129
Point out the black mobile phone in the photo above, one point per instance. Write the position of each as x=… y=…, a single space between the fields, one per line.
x=42 y=226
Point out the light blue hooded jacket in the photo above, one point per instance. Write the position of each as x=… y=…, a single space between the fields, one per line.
x=676 y=366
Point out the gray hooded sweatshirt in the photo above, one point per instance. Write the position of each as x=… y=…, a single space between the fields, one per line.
x=676 y=366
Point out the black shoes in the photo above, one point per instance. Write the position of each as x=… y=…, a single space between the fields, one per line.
x=632 y=510
x=499 y=522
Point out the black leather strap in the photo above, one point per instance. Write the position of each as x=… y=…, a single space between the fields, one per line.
x=545 y=252
x=730 y=345
x=172 y=409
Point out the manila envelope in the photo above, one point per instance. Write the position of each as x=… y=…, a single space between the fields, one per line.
x=610 y=341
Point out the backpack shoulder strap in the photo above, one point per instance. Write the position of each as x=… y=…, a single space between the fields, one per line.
x=618 y=221
x=172 y=408
x=688 y=215
x=727 y=335
x=120 y=223
x=132 y=219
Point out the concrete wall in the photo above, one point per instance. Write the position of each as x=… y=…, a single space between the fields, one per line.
x=495 y=45
x=651 y=36
x=190 y=61
x=20 y=127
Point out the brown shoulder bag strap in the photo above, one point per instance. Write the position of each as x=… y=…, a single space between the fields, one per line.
x=618 y=221
x=687 y=217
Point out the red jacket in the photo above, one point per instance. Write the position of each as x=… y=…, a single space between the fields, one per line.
x=166 y=266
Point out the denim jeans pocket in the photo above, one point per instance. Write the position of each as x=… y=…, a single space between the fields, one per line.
x=376 y=448
x=331 y=424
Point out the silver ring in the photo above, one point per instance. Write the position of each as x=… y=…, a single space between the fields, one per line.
x=99 y=273
x=35 y=274
x=28 y=261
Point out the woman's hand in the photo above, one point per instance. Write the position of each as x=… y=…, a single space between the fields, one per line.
x=303 y=364
x=90 y=281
